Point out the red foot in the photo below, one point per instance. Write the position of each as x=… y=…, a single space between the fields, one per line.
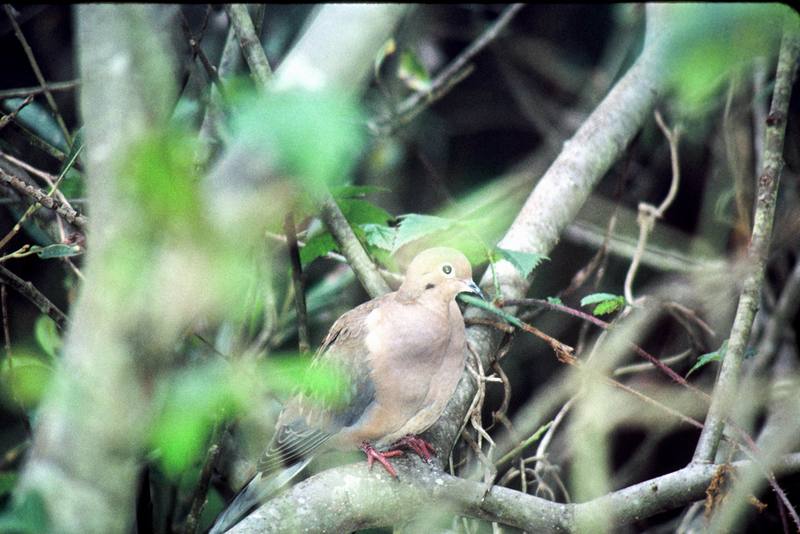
x=373 y=454
x=423 y=449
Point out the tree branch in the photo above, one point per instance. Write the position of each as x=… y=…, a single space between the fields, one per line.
x=726 y=386
x=351 y=497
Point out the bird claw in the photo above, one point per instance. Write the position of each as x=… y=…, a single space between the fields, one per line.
x=423 y=449
x=373 y=454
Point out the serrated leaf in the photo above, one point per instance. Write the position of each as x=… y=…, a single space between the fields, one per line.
x=606 y=302
x=412 y=72
x=380 y=236
x=555 y=300
x=358 y=211
x=46 y=333
x=317 y=246
x=709 y=357
x=388 y=48
x=524 y=262
x=594 y=298
x=356 y=191
x=608 y=306
x=415 y=226
x=57 y=250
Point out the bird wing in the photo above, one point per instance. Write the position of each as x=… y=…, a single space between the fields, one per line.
x=306 y=424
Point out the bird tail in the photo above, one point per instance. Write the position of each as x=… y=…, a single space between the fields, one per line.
x=260 y=488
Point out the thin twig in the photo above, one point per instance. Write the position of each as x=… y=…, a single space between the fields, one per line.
x=197 y=50
x=44 y=199
x=297 y=282
x=199 y=496
x=26 y=91
x=649 y=213
x=251 y=45
x=29 y=291
x=6 y=119
x=351 y=248
x=53 y=188
x=38 y=72
x=727 y=380
x=449 y=77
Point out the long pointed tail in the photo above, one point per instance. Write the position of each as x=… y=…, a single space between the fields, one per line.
x=256 y=492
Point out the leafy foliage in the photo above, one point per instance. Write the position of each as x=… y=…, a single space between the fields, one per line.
x=705 y=359
x=711 y=41
x=524 y=262
x=606 y=302
x=413 y=72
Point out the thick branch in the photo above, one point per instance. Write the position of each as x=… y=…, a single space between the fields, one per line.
x=93 y=422
x=351 y=497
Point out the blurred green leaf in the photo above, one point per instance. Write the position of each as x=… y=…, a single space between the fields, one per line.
x=709 y=357
x=192 y=400
x=161 y=178
x=555 y=300
x=27 y=516
x=412 y=72
x=314 y=136
x=711 y=41
x=317 y=246
x=8 y=480
x=379 y=235
x=24 y=379
x=356 y=191
x=46 y=333
x=388 y=48
x=606 y=302
x=358 y=211
x=524 y=262
x=57 y=250
x=415 y=226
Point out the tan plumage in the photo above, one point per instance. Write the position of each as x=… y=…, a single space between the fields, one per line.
x=403 y=353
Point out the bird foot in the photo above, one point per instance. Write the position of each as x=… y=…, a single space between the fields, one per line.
x=423 y=449
x=373 y=454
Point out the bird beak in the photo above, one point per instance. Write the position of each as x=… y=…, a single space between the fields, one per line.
x=472 y=287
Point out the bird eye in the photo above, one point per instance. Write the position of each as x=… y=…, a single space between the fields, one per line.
x=447 y=269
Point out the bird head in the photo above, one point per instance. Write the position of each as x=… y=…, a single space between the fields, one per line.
x=442 y=271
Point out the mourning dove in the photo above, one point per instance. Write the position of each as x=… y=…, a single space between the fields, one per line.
x=403 y=354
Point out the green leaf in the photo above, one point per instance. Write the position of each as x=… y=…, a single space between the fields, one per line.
x=57 y=250
x=709 y=357
x=606 y=302
x=46 y=333
x=388 y=48
x=317 y=246
x=314 y=136
x=380 y=236
x=27 y=516
x=161 y=178
x=413 y=72
x=555 y=300
x=8 y=479
x=711 y=41
x=524 y=262
x=358 y=211
x=37 y=118
x=356 y=191
x=24 y=380
x=415 y=226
